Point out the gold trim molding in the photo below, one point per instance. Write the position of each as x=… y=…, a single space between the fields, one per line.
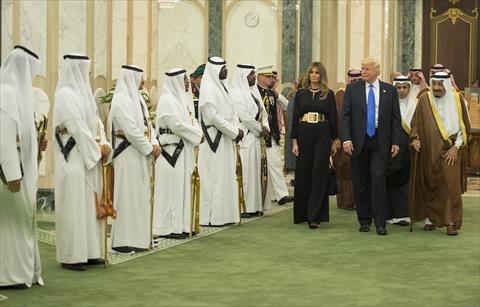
x=453 y=14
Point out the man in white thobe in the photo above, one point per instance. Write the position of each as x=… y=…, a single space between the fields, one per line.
x=254 y=121
x=77 y=155
x=20 y=265
x=217 y=157
x=133 y=143
x=178 y=133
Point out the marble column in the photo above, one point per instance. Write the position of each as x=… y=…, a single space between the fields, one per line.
x=306 y=14
x=215 y=28
x=408 y=35
x=289 y=35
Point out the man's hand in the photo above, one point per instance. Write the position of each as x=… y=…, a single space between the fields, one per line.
x=348 y=147
x=156 y=151
x=416 y=145
x=43 y=143
x=105 y=150
x=239 y=136
x=14 y=186
x=395 y=150
x=295 y=149
x=335 y=147
x=265 y=132
x=451 y=158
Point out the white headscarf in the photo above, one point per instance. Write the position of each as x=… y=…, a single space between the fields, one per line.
x=174 y=97
x=446 y=107
x=241 y=87
x=407 y=104
x=416 y=88
x=214 y=90
x=16 y=75
x=73 y=94
x=126 y=98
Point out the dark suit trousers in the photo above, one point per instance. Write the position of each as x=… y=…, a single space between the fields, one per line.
x=369 y=185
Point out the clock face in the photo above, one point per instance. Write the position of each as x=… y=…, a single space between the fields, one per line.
x=252 y=19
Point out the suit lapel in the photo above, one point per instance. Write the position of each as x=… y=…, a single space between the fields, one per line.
x=363 y=98
x=381 y=94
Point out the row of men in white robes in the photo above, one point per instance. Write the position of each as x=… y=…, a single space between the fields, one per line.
x=228 y=117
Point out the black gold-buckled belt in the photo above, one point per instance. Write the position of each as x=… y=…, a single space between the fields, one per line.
x=164 y=131
x=313 y=117
x=120 y=134
x=169 y=144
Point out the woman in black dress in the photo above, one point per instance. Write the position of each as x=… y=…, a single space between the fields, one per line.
x=314 y=134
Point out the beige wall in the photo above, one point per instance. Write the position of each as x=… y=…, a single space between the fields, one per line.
x=159 y=35
x=112 y=33
x=346 y=31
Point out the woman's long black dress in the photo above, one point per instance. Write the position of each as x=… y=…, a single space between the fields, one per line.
x=314 y=142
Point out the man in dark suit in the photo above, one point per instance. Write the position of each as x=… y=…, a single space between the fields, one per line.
x=370 y=134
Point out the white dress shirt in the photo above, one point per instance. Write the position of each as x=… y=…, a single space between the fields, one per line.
x=376 y=93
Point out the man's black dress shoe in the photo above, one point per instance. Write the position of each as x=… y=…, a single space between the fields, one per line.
x=74 y=266
x=364 y=228
x=176 y=236
x=402 y=223
x=188 y=234
x=16 y=287
x=95 y=261
x=312 y=225
x=246 y=215
x=259 y=213
x=284 y=200
x=123 y=249
x=381 y=231
x=139 y=250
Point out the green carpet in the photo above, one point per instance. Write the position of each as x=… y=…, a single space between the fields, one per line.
x=271 y=262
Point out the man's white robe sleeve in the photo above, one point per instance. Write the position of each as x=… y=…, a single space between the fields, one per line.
x=211 y=113
x=8 y=148
x=134 y=136
x=191 y=134
x=88 y=147
x=103 y=135
x=250 y=122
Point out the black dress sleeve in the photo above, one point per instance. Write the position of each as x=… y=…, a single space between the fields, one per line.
x=332 y=115
x=296 y=116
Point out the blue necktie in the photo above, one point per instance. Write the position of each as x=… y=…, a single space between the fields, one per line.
x=371 y=113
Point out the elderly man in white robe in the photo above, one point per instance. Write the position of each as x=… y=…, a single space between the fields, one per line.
x=254 y=121
x=217 y=157
x=77 y=154
x=133 y=143
x=178 y=133
x=20 y=265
